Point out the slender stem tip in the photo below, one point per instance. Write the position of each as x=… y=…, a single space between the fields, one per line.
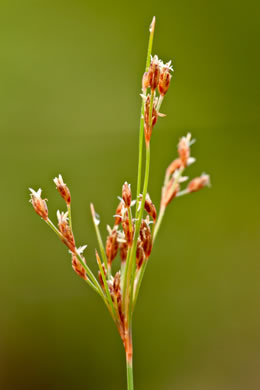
x=152 y=25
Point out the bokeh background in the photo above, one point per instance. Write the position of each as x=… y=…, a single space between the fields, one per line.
x=70 y=76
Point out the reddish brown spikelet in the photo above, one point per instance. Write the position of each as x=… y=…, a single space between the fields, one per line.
x=100 y=276
x=65 y=230
x=118 y=216
x=154 y=73
x=129 y=234
x=145 y=81
x=99 y=273
x=116 y=284
x=140 y=255
x=78 y=267
x=121 y=315
x=198 y=183
x=176 y=164
x=184 y=150
x=123 y=246
x=164 y=81
x=111 y=246
x=126 y=194
x=148 y=127
x=63 y=189
x=39 y=204
x=171 y=190
x=146 y=238
x=111 y=290
x=150 y=208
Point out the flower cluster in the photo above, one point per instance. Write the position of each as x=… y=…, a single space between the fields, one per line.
x=136 y=223
x=174 y=174
x=156 y=78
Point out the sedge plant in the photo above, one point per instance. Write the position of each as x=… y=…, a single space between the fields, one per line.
x=136 y=223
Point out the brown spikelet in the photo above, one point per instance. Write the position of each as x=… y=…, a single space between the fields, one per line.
x=176 y=164
x=126 y=194
x=148 y=127
x=198 y=183
x=150 y=207
x=146 y=238
x=140 y=255
x=123 y=246
x=111 y=246
x=170 y=191
x=129 y=233
x=118 y=215
x=145 y=81
x=78 y=267
x=184 y=150
x=164 y=81
x=116 y=284
x=99 y=272
x=120 y=312
x=154 y=73
x=63 y=189
x=65 y=230
x=39 y=204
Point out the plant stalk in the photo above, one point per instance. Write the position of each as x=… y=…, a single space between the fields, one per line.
x=129 y=360
x=141 y=128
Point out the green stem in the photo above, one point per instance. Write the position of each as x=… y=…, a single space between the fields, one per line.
x=141 y=127
x=159 y=103
x=69 y=215
x=131 y=271
x=125 y=291
x=99 y=238
x=130 y=377
x=151 y=108
x=159 y=221
x=155 y=232
x=106 y=287
x=91 y=281
x=129 y=360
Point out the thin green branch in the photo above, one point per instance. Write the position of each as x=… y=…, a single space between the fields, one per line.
x=106 y=287
x=130 y=377
x=141 y=127
x=132 y=263
x=69 y=215
x=99 y=238
x=89 y=273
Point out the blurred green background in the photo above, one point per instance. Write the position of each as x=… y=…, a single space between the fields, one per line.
x=69 y=103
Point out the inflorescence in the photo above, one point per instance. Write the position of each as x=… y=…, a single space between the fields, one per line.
x=136 y=221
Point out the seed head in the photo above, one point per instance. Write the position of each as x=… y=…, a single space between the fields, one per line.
x=165 y=78
x=184 y=149
x=78 y=267
x=146 y=238
x=140 y=255
x=63 y=189
x=126 y=194
x=154 y=73
x=118 y=215
x=39 y=204
x=99 y=273
x=148 y=127
x=145 y=81
x=65 y=230
x=111 y=246
x=129 y=234
x=116 y=284
x=176 y=164
x=150 y=207
x=170 y=191
x=123 y=246
x=198 y=183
